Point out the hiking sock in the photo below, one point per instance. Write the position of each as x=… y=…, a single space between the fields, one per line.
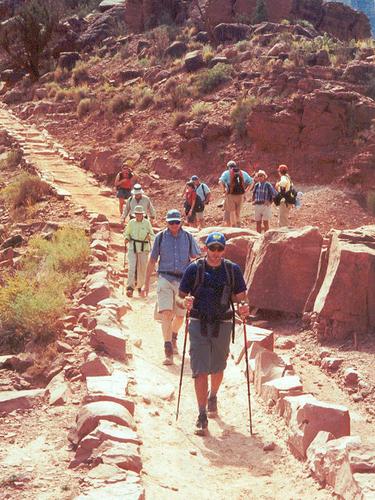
x=202 y=411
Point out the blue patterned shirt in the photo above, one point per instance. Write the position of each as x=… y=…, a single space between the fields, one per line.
x=263 y=192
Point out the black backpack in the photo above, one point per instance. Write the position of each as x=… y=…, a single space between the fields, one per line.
x=198 y=205
x=237 y=185
x=229 y=271
x=289 y=196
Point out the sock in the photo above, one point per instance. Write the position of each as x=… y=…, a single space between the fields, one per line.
x=167 y=344
x=202 y=411
x=212 y=395
x=174 y=335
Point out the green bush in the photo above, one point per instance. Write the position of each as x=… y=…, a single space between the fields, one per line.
x=178 y=95
x=200 y=108
x=34 y=298
x=240 y=113
x=210 y=79
x=25 y=190
x=80 y=73
x=180 y=117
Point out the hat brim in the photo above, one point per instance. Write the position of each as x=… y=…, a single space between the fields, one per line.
x=173 y=220
x=215 y=243
x=137 y=192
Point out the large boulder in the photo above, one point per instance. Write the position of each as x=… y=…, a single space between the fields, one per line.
x=350 y=260
x=232 y=32
x=281 y=269
x=193 y=61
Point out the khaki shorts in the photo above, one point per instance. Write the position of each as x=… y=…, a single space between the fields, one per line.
x=262 y=212
x=234 y=202
x=166 y=297
x=199 y=215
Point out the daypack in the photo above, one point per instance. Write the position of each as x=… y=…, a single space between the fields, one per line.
x=199 y=204
x=226 y=297
x=289 y=196
x=237 y=184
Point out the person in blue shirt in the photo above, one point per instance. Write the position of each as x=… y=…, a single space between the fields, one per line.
x=235 y=183
x=211 y=321
x=263 y=194
x=174 y=248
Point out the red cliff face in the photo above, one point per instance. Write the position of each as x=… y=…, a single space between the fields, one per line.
x=336 y=19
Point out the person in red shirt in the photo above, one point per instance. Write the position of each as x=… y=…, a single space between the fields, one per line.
x=189 y=204
x=123 y=184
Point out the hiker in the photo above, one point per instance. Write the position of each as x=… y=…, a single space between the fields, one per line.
x=212 y=283
x=283 y=186
x=204 y=193
x=235 y=183
x=138 y=236
x=263 y=195
x=123 y=184
x=192 y=204
x=137 y=198
x=174 y=248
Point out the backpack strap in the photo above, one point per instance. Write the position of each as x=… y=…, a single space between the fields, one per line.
x=229 y=270
x=199 y=275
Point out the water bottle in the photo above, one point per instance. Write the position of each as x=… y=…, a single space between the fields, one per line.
x=299 y=199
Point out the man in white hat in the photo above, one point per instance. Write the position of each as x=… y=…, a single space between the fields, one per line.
x=138 y=198
x=138 y=235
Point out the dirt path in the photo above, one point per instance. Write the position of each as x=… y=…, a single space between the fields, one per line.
x=228 y=463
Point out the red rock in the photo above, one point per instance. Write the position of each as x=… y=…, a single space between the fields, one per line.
x=57 y=390
x=94 y=366
x=281 y=269
x=310 y=417
x=97 y=292
x=268 y=366
x=91 y=414
x=284 y=343
x=275 y=389
x=124 y=455
x=117 y=491
x=331 y=364
x=351 y=258
x=111 y=339
x=237 y=249
x=99 y=245
x=257 y=338
x=63 y=347
x=19 y=400
x=351 y=377
x=110 y=388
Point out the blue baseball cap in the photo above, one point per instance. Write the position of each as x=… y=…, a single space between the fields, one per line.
x=194 y=177
x=215 y=239
x=173 y=215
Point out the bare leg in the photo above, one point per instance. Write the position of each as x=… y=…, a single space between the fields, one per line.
x=216 y=379
x=177 y=323
x=166 y=325
x=266 y=225
x=259 y=226
x=201 y=390
x=121 y=202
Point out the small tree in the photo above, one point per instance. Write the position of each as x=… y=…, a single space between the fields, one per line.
x=260 y=13
x=27 y=34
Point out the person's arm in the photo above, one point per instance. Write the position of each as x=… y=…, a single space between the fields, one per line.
x=117 y=181
x=248 y=181
x=193 y=200
x=126 y=210
x=207 y=194
x=195 y=250
x=127 y=232
x=149 y=270
x=150 y=231
x=184 y=298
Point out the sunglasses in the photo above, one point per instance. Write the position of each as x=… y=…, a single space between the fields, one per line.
x=216 y=248
x=173 y=222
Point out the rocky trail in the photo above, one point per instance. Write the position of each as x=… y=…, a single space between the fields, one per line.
x=229 y=463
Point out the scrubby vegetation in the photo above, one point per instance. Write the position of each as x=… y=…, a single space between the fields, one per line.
x=34 y=297
x=209 y=79
x=12 y=159
x=25 y=190
x=240 y=113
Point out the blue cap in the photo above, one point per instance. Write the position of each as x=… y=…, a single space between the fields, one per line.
x=173 y=215
x=215 y=239
x=194 y=177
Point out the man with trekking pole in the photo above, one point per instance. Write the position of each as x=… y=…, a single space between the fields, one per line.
x=173 y=248
x=207 y=290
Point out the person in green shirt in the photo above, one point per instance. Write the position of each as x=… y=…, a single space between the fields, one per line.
x=138 y=235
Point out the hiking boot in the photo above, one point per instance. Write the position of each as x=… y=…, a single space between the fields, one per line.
x=174 y=343
x=168 y=351
x=201 y=426
x=129 y=291
x=212 y=407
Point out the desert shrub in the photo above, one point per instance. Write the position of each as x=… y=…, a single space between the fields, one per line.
x=210 y=79
x=61 y=74
x=371 y=201
x=240 y=113
x=178 y=94
x=260 y=13
x=33 y=299
x=12 y=159
x=85 y=106
x=25 y=190
x=143 y=96
x=144 y=62
x=200 y=108
x=152 y=124
x=160 y=38
x=119 y=135
x=305 y=23
x=242 y=45
x=80 y=72
x=120 y=103
x=207 y=53
x=180 y=117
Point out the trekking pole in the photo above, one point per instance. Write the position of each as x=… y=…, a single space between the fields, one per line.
x=125 y=252
x=182 y=362
x=247 y=375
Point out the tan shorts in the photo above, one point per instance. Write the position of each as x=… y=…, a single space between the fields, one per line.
x=199 y=215
x=234 y=202
x=262 y=212
x=166 y=293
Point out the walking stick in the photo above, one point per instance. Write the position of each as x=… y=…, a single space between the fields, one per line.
x=247 y=375
x=125 y=252
x=182 y=362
